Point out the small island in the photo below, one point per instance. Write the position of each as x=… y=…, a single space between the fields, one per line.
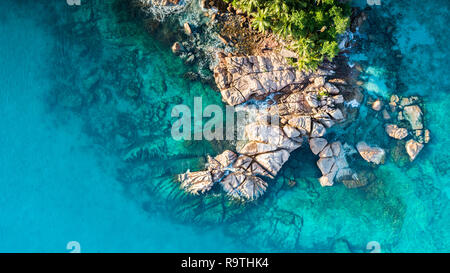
x=288 y=58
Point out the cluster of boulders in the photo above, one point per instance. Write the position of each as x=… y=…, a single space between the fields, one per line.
x=333 y=162
x=236 y=174
x=304 y=105
x=242 y=78
x=405 y=117
x=409 y=109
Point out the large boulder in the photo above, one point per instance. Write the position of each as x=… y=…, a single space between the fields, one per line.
x=203 y=181
x=187 y=29
x=196 y=182
x=240 y=186
x=376 y=105
x=413 y=148
x=273 y=161
x=413 y=114
x=317 y=144
x=372 y=154
x=395 y=132
x=240 y=78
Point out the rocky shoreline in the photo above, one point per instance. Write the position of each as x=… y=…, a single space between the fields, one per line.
x=304 y=105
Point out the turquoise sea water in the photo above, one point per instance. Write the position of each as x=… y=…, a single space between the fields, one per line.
x=86 y=153
x=56 y=184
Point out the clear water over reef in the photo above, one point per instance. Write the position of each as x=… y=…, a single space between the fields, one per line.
x=86 y=153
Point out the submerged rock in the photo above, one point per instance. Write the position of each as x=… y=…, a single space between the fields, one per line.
x=187 y=29
x=269 y=226
x=376 y=105
x=427 y=136
x=372 y=154
x=409 y=111
x=177 y=48
x=386 y=115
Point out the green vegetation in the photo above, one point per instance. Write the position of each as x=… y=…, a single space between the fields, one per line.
x=323 y=93
x=310 y=26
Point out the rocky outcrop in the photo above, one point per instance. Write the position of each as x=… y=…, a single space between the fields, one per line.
x=370 y=153
x=395 y=132
x=196 y=182
x=303 y=104
x=242 y=78
x=236 y=174
x=408 y=111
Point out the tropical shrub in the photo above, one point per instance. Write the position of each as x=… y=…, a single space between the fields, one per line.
x=310 y=27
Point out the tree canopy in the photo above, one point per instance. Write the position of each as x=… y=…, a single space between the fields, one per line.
x=310 y=26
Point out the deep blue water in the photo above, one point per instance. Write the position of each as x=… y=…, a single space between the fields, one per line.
x=62 y=181
x=55 y=186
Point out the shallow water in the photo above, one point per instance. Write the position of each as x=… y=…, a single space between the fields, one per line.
x=86 y=153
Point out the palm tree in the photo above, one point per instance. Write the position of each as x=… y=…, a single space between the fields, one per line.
x=278 y=7
x=260 y=20
x=308 y=56
x=253 y=4
x=247 y=5
x=284 y=26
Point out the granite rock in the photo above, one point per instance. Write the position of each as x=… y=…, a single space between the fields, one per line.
x=370 y=153
x=395 y=132
x=413 y=114
x=250 y=80
x=413 y=148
